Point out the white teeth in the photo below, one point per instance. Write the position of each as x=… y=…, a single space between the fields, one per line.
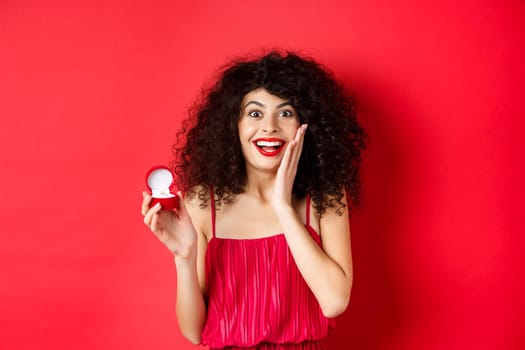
x=269 y=143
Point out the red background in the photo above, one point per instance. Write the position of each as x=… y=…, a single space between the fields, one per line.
x=91 y=94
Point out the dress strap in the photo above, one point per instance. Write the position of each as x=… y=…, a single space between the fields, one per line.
x=212 y=204
x=308 y=209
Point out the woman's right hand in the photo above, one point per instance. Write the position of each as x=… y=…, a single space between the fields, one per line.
x=173 y=228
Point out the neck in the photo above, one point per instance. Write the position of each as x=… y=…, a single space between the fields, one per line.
x=260 y=184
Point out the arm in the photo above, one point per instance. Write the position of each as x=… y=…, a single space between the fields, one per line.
x=190 y=306
x=327 y=271
x=186 y=241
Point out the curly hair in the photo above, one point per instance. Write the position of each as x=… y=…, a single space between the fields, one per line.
x=208 y=153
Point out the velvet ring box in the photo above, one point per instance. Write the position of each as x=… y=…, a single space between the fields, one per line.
x=160 y=181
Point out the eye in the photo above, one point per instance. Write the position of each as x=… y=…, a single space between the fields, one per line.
x=286 y=113
x=255 y=114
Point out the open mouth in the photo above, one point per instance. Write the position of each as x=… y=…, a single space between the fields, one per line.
x=269 y=147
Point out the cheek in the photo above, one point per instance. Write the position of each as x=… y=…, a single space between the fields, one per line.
x=245 y=131
x=291 y=129
x=240 y=129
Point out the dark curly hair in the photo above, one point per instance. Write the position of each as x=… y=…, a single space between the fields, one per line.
x=208 y=153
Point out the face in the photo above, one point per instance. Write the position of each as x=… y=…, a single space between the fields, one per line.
x=266 y=124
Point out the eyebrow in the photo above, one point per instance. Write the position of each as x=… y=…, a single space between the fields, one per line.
x=285 y=103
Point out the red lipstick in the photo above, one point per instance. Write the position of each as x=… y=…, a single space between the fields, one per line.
x=269 y=147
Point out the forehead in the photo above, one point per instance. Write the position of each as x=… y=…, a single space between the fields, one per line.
x=262 y=96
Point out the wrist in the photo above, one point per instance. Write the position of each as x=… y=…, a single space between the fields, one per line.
x=185 y=261
x=284 y=211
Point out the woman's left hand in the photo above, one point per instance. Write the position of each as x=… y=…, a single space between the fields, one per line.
x=282 y=192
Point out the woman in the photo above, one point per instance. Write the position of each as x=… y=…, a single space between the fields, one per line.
x=261 y=242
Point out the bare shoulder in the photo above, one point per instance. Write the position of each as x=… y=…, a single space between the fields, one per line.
x=197 y=202
x=339 y=208
x=335 y=233
x=334 y=222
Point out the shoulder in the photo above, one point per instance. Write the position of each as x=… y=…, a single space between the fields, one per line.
x=335 y=210
x=335 y=215
x=334 y=226
x=197 y=202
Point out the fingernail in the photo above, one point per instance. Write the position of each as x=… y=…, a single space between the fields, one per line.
x=157 y=205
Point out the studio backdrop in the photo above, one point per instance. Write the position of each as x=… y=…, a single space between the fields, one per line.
x=93 y=92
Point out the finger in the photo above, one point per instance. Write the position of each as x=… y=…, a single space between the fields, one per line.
x=303 y=133
x=296 y=155
x=299 y=133
x=149 y=214
x=181 y=210
x=145 y=202
x=157 y=228
x=154 y=223
x=285 y=162
x=301 y=137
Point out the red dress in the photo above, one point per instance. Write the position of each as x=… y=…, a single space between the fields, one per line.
x=257 y=296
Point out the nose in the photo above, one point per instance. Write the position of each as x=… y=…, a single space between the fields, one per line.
x=270 y=125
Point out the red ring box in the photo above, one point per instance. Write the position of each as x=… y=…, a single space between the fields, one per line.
x=160 y=181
